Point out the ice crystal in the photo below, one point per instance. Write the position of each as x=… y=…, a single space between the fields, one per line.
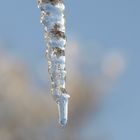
x=53 y=20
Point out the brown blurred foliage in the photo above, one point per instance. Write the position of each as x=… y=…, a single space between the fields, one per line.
x=27 y=113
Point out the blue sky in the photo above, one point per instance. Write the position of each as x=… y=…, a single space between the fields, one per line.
x=113 y=24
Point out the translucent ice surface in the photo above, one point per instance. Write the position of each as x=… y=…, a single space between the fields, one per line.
x=53 y=20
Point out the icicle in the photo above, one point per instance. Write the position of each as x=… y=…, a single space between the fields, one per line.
x=53 y=20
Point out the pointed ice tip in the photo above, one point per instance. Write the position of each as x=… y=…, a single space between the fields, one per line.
x=63 y=109
x=63 y=122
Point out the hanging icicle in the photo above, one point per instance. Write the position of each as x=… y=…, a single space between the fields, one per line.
x=53 y=20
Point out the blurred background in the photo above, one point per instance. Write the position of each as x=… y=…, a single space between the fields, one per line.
x=103 y=72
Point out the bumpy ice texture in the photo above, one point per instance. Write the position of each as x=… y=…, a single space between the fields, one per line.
x=53 y=20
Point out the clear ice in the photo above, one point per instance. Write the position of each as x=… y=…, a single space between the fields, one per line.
x=53 y=20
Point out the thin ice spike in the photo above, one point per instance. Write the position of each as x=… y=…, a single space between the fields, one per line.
x=53 y=20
